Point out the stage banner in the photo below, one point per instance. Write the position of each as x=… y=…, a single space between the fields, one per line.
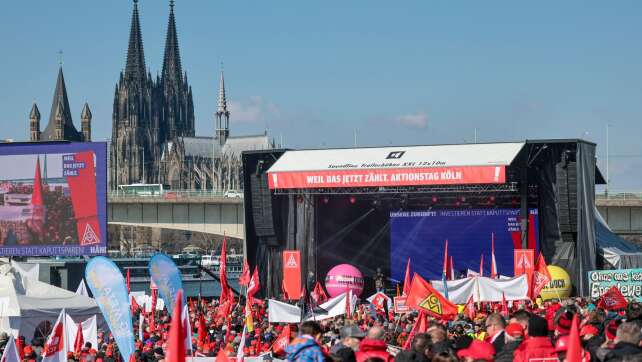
x=108 y=287
x=292 y=274
x=484 y=289
x=628 y=281
x=421 y=234
x=457 y=175
x=167 y=279
x=400 y=305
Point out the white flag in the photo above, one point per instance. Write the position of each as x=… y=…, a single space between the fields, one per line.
x=82 y=288
x=279 y=312
x=89 y=332
x=241 y=353
x=187 y=326
x=55 y=347
x=141 y=320
x=335 y=307
x=10 y=351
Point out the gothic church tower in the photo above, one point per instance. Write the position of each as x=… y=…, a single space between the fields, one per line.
x=135 y=126
x=177 y=118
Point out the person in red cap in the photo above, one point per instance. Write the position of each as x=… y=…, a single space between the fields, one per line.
x=592 y=339
x=477 y=351
x=537 y=345
x=514 y=335
x=564 y=323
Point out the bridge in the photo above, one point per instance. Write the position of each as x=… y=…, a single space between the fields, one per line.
x=622 y=212
x=199 y=212
x=213 y=214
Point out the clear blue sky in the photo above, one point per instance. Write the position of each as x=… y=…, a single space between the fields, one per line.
x=400 y=72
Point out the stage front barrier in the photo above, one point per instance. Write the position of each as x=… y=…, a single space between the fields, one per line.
x=484 y=289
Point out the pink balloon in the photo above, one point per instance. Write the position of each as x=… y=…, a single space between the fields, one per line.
x=342 y=278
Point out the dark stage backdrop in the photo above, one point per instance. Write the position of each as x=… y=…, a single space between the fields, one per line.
x=421 y=236
x=356 y=234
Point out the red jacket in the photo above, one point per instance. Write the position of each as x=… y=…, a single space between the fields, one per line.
x=373 y=348
x=534 y=348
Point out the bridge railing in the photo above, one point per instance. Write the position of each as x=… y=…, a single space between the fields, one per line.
x=166 y=195
x=619 y=195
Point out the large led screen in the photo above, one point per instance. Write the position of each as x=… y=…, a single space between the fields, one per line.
x=53 y=199
x=421 y=236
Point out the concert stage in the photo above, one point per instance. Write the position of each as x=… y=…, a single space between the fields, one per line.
x=377 y=207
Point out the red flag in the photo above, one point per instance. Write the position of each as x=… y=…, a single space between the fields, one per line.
x=349 y=304
x=541 y=277
x=420 y=326
x=20 y=346
x=406 y=279
x=134 y=305
x=202 y=330
x=254 y=285
x=176 y=340
x=318 y=294
x=282 y=341
x=574 y=352
x=470 y=308
x=292 y=274
x=54 y=349
x=244 y=279
x=128 y=279
x=612 y=299
x=79 y=341
x=452 y=268
x=481 y=266
x=152 y=317
x=424 y=297
x=225 y=289
x=222 y=355
x=504 y=311
x=445 y=268
x=493 y=263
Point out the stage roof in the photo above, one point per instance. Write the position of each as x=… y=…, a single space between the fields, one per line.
x=477 y=154
x=480 y=163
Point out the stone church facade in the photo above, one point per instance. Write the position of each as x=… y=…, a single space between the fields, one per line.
x=153 y=137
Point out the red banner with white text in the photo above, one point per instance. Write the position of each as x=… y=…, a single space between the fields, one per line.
x=388 y=177
x=81 y=177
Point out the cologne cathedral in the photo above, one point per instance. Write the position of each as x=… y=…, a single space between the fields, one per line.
x=153 y=137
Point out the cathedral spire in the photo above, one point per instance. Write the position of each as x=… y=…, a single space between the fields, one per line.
x=222 y=114
x=172 y=59
x=135 y=67
x=222 y=101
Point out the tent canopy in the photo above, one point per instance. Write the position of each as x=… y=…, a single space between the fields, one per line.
x=26 y=303
x=619 y=253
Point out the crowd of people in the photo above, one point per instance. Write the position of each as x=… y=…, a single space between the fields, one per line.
x=528 y=333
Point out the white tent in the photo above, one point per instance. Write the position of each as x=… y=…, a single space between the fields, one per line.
x=26 y=304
